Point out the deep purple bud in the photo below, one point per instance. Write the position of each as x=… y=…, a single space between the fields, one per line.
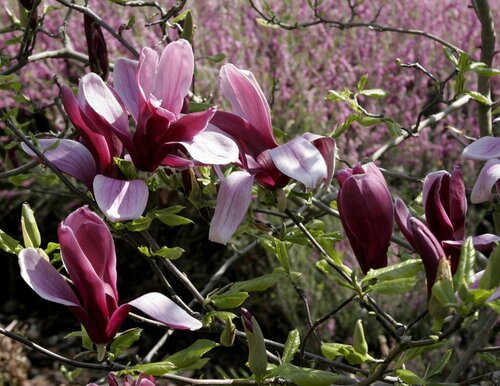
x=429 y=249
x=445 y=206
x=96 y=45
x=247 y=319
x=366 y=212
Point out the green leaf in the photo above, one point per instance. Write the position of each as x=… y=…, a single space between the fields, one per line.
x=459 y=83
x=282 y=254
x=169 y=216
x=465 y=267
x=195 y=107
x=443 y=291
x=188 y=27
x=409 y=377
x=359 y=341
x=374 y=93
x=365 y=120
x=31 y=234
x=335 y=96
x=334 y=350
x=292 y=345
x=229 y=300
x=494 y=305
x=258 y=284
x=154 y=368
x=216 y=58
x=124 y=340
x=10 y=82
x=394 y=129
x=212 y=315
x=479 y=97
x=394 y=287
x=440 y=365
x=450 y=56
x=486 y=71
x=139 y=225
x=491 y=278
x=362 y=82
x=8 y=244
x=407 y=268
x=189 y=356
x=126 y=167
x=302 y=376
x=169 y=253
x=340 y=129
x=496 y=111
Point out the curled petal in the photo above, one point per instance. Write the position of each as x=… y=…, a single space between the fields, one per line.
x=69 y=157
x=436 y=202
x=299 y=159
x=248 y=101
x=488 y=177
x=174 y=75
x=483 y=149
x=326 y=146
x=125 y=84
x=120 y=200
x=485 y=242
x=164 y=310
x=233 y=200
x=212 y=148
x=402 y=215
x=44 y=279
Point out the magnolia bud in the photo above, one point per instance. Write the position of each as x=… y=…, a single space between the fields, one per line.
x=257 y=357
x=96 y=45
x=31 y=234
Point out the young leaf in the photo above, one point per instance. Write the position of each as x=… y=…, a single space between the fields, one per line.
x=374 y=93
x=282 y=254
x=124 y=340
x=229 y=300
x=440 y=365
x=479 y=97
x=362 y=82
x=491 y=278
x=302 y=376
x=8 y=244
x=292 y=345
x=486 y=71
x=450 y=56
x=394 y=286
x=408 y=268
x=169 y=253
x=409 y=377
x=189 y=356
x=465 y=267
x=360 y=344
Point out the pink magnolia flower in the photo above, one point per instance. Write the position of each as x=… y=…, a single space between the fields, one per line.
x=88 y=255
x=366 y=212
x=485 y=149
x=308 y=158
x=153 y=91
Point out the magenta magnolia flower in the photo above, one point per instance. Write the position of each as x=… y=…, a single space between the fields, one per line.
x=128 y=380
x=88 y=255
x=366 y=211
x=485 y=149
x=308 y=158
x=153 y=91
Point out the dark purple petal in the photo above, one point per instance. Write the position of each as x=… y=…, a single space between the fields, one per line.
x=484 y=242
x=436 y=201
x=164 y=310
x=402 y=215
x=458 y=203
x=233 y=200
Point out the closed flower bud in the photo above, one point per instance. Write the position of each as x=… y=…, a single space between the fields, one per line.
x=366 y=211
x=257 y=357
x=96 y=46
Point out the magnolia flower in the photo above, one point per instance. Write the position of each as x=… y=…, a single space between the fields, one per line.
x=128 y=380
x=366 y=212
x=153 y=91
x=88 y=255
x=485 y=149
x=308 y=158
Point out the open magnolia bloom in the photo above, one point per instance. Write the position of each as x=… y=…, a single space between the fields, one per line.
x=128 y=380
x=307 y=159
x=153 y=91
x=367 y=214
x=485 y=149
x=88 y=255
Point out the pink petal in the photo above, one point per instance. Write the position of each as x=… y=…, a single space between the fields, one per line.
x=190 y=125
x=96 y=97
x=44 y=279
x=96 y=242
x=125 y=84
x=247 y=100
x=146 y=73
x=483 y=149
x=212 y=148
x=164 y=310
x=174 y=76
x=488 y=177
x=69 y=157
x=300 y=160
x=120 y=200
x=233 y=200
x=484 y=242
x=326 y=146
